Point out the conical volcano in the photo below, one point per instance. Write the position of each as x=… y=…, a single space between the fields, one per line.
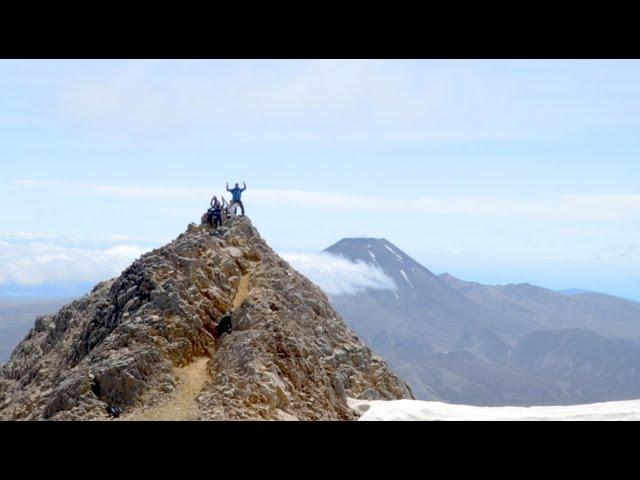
x=147 y=342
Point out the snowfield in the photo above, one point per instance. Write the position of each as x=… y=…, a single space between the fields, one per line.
x=430 y=411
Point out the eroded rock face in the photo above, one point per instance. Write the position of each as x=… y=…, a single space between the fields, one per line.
x=288 y=356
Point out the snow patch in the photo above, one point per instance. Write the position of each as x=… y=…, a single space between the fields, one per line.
x=395 y=410
x=406 y=278
x=394 y=252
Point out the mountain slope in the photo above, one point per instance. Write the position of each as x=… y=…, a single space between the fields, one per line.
x=590 y=366
x=289 y=354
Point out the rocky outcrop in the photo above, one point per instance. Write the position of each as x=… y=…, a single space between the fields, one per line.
x=288 y=356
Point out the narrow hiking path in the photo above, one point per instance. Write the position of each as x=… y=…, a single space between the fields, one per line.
x=242 y=292
x=181 y=404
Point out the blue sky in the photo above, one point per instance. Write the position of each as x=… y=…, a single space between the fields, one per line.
x=496 y=171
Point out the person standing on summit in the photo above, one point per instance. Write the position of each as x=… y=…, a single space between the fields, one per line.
x=236 y=194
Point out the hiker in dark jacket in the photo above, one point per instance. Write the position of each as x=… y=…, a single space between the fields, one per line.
x=236 y=194
x=214 y=202
x=216 y=212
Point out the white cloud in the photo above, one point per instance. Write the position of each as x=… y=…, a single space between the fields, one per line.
x=155 y=193
x=37 y=263
x=76 y=241
x=30 y=259
x=27 y=236
x=552 y=207
x=599 y=207
x=336 y=275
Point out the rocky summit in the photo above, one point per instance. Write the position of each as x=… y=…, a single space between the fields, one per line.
x=147 y=343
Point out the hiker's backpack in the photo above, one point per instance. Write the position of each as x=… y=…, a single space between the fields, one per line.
x=113 y=412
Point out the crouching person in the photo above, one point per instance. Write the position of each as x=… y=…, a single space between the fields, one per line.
x=217 y=216
x=214 y=214
x=224 y=324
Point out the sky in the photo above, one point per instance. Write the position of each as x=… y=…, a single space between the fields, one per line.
x=494 y=171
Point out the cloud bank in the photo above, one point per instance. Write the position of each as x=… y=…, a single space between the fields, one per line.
x=336 y=275
x=35 y=263
x=36 y=259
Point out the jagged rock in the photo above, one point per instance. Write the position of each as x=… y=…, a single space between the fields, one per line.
x=288 y=356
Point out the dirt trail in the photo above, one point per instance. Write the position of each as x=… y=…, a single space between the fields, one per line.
x=242 y=292
x=181 y=405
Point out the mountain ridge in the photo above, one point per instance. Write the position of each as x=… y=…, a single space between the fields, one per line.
x=289 y=354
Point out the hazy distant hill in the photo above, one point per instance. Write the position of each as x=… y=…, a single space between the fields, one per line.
x=531 y=308
x=465 y=342
x=572 y=291
x=17 y=316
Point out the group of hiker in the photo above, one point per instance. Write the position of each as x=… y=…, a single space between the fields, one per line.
x=221 y=210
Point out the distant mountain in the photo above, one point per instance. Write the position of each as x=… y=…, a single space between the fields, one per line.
x=572 y=291
x=417 y=324
x=531 y=308
x=421 y=306
x=464 y=342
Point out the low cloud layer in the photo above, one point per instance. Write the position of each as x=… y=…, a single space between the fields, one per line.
x=34 y=263
x=32 y=259
x=336 y=275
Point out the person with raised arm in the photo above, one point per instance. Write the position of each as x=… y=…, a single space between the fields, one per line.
x=236 y=195
x=225 y=209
